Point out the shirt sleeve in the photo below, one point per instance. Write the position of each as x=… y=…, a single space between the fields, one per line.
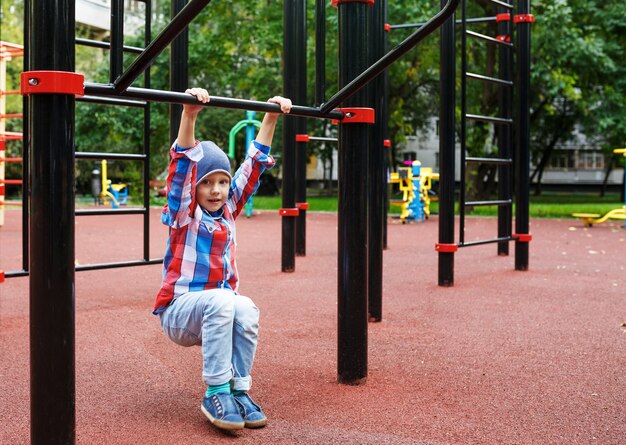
x=246 y=178
x=180 y=185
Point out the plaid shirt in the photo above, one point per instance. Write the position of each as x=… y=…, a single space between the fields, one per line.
x=200 y=252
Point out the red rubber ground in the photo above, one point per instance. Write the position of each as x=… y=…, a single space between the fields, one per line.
x=503 y=357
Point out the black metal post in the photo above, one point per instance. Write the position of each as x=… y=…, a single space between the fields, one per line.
x=320 y=52
x=446 y=150
x=522 y=153
x=51 y=133
x=353 y=150
x=290 y=129
x=385 y=125
x=116 y=50
x=179 y=71
x=25 y=149
x=377 y=174
x=505 y=135
x=296 y=70
x=146 y=141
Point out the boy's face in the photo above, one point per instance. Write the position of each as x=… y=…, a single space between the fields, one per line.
x=212 y=191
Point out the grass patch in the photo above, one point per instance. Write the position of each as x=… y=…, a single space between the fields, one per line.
x=548 y=205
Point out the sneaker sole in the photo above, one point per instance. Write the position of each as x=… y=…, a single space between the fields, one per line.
x=222 y=424
x=257 y=424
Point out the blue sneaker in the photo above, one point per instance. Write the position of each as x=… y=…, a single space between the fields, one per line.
x=251 y=412
x=222 y=411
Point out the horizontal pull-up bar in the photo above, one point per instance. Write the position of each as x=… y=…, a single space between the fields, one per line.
x=108 y=90
x=457 y=22
x=378 y=67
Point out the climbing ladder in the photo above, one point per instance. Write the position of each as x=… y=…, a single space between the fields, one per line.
x=503 y=123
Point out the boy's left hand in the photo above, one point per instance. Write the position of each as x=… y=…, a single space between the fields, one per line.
x=285 y=104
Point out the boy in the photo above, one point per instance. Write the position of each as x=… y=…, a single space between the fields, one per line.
x=198 y=301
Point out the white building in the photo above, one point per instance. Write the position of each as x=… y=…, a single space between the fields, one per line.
x=95 y=16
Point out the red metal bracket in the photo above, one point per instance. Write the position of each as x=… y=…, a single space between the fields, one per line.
x=302 y=205
x=356 y=116
x=503 y=38
x=523 y=237
x=387 y=143
x=523 y=18
x=447 y=248
x=288 y=212
x=52 y=82
x=336 y=2
x=302 y=138
x=505 y=17
x=1 y=276
x=387 y=27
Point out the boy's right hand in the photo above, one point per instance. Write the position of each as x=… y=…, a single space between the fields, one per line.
x=201 y=94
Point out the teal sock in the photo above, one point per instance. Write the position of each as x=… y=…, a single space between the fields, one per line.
x=238 y=392
x=214 y=389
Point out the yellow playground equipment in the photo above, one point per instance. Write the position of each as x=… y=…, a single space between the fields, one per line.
x=589 y=219
x=415 y=183
x=117 y=193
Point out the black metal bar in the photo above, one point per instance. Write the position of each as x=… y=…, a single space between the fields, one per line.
x=374 y=70
x=522 y=158
x=51 y=133
x=179 y=69
x=106 y=45
x=496 y=161
x=296 y=89
x=508 y=83
x=489 y=39
x=463 y=135
x=116 y=54
x=446 y=150
x=320 y=52
x=146 y=140
x=16 y=273
x=492 y=119
x=322 y=139
x=457 y=22
x=486 y=241
x=100 y=212
x=376 y=170
x=162 y=41
x=98 y=266
x=152 y=95
x=26 y=149
x=385 y=125
x=118 y=156
x=501 y=4
x=352 y=218
x=504 y=202
x=504 y=135
x=111 y=101
x=288 y=229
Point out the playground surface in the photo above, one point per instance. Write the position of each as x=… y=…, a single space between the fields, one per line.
x=502 y=357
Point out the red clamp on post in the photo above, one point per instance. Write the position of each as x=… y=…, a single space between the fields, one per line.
x=288 y=212
x=52 y=82
x=504 y=17
x=447 y=248
x=387 y=27
x=1 y=276
x=336 y=2
x=503 y=38
x=523 y=18
x=302 y=138
x=387 y=143
x=523 y=237
x=356 y=116
x=302 y=205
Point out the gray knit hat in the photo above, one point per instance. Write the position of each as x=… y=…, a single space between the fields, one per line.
x=214 y=160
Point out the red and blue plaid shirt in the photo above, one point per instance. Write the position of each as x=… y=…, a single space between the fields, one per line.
x=200 y=252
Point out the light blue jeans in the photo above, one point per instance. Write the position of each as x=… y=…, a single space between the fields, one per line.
x=225 y=324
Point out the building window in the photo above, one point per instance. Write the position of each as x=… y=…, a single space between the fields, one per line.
x=562 y=160
x=409 y=156
x=590 y=161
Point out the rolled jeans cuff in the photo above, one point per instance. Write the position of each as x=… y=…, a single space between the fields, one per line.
x=218 y=379
x=242 y=383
